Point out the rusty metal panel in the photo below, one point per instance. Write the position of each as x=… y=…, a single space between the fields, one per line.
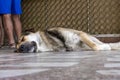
x=104 y=16
x=33 y=14
x=93 y=16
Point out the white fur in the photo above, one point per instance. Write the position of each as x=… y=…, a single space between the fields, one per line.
x=100 y=45
x=115 y=46
x=71 y=39
x=41 y=46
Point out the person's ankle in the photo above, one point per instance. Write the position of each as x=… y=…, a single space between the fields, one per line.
x=12 y=45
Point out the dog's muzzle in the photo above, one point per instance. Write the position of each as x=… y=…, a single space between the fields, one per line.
x=28 y=47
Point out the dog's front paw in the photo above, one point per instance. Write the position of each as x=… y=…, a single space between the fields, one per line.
x=69 y=49
x=16 y=51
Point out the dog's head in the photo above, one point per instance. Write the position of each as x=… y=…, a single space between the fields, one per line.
x=27 y=44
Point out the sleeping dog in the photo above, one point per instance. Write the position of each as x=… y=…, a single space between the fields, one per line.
x=61 y=39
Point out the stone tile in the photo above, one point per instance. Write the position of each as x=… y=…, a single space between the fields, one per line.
x=20 y=72
x=83 y=65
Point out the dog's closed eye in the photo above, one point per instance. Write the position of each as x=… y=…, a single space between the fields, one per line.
x=23 y=39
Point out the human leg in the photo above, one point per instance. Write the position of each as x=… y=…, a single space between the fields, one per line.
x=17 y=26
x=1 y=32
x=5 y=12
x=8 y=25
x=16 y=11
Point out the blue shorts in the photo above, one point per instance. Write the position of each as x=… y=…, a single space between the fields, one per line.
x=10 y=7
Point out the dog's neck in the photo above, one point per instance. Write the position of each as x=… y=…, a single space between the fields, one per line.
x=50 y=43
x=42 y=42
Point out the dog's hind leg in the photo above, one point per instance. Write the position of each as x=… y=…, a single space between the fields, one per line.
x=93 y=42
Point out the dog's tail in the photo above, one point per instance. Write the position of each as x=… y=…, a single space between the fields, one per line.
x=115 y=46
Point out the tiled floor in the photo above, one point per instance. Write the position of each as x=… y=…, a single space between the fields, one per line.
x=84 y=65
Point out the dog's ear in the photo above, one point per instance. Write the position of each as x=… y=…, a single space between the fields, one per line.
x=23 y=38
x=28 y=31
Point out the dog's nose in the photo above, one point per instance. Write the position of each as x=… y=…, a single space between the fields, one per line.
x=22 y=49
x=22 y=46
